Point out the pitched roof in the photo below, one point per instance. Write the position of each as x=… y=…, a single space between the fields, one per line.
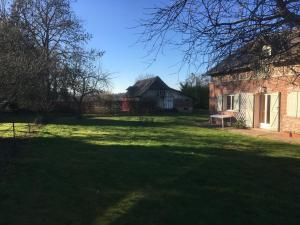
x=250 y=54
x=240 y=60
x=141 y=86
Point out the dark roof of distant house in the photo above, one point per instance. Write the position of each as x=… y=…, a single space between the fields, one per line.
x=245 y=58
x=142 y=86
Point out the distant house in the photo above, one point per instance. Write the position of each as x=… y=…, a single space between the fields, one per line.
x=267 y=97
x=154 y=95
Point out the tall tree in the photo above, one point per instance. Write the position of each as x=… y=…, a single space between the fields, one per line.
x=85 y=77
x=144 y=77
x=196 y=87
x=54 y=30
x=19 y=63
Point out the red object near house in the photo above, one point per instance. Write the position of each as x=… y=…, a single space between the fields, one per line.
x=125 y=105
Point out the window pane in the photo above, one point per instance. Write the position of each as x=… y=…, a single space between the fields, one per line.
x=228 y=102
x=232 y=102
x=262 y=109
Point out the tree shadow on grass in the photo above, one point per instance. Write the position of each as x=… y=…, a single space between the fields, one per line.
x=148 y=121
x=69 y=181
x=135 y=121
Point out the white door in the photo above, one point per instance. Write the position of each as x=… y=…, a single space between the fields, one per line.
x=274 y=111
x=265 y=111
x=269 y=111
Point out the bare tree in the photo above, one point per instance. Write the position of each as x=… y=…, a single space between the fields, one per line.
x=3 y=8
x=54 y=30
x=19 y=63
x=144 y=76
x=209 y=30
x=85 y=77
x=42 y=58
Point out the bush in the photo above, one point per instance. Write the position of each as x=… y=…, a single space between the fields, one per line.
x=41 y=120
x=145 y=106
x=240 y=124
x=199 y=94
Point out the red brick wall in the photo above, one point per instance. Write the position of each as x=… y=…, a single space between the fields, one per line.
x=281 y=81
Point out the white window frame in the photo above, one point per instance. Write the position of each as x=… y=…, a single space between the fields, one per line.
x=162 y=93
x=231 y=102
x=267 y=50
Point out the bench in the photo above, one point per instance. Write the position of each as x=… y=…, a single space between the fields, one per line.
x=221 y=117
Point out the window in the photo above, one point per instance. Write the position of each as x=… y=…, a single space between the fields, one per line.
x=162 y=93
x=293 y=104
x=267 y=50
x=230 y=102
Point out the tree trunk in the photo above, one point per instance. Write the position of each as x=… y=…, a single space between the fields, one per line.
x=79 y=106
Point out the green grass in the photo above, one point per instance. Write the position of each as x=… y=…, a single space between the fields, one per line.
x=120 y=170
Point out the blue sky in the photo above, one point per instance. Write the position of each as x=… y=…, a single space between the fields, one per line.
x=109 y=21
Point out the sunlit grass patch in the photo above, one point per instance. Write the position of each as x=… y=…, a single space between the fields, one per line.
x=8 y=130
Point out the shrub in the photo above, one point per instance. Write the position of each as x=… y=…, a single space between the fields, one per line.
x=41 y=120
x=240 y=124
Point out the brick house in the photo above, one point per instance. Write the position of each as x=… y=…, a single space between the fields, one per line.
x=150 y=95
x=263 y=91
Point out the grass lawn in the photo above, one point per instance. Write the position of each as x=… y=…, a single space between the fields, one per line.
x=121 y=170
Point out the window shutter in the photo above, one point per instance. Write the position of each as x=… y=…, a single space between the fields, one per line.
x=224 y=102
x=274 y=111
x=247 y=108
x=293 y=104
x=237 y=102
x=219 y=103
x=298 y=110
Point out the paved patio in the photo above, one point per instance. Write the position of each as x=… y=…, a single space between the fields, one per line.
x=265 y=134
x=259 y=133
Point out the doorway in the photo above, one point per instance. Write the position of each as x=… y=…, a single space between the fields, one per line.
x=265 y=111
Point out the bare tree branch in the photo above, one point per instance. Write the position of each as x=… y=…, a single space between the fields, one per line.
x=207 y=31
